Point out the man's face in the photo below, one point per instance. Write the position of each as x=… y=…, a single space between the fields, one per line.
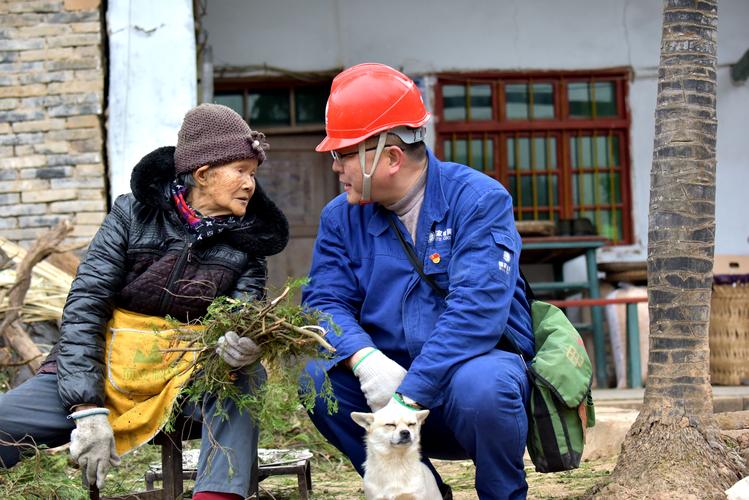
x=347 y=165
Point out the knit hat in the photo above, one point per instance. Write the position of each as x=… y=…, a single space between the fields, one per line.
x=213 y=134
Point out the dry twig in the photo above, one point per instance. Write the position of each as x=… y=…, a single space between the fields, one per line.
x=11 y=328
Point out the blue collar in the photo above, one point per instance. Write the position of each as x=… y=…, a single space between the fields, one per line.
x=433 y=209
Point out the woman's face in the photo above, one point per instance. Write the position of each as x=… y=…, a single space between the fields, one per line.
x=226 y=189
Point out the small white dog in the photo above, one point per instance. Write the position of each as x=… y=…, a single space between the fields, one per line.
x=393 y=469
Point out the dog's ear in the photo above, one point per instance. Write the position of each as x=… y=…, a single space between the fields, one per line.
x=422 y=415
x=363 y=419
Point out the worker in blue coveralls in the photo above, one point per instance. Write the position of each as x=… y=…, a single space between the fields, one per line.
x=457 y=346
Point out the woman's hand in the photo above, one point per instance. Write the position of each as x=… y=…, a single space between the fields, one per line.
x=92 y=444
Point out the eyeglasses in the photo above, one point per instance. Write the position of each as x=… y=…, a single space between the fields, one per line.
x=340 y=157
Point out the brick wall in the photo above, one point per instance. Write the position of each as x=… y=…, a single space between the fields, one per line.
x=51 y=117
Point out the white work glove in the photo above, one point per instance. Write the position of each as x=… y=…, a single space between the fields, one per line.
x=379 y=377
x=92 y=444
x=237 y=351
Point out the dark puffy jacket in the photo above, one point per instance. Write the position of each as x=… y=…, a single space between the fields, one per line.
x=142 y=259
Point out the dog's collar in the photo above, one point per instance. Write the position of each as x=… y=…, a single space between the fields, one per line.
x=406 y=401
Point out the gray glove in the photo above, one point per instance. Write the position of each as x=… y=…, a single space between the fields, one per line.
x=92 y=444
x=237 y=351
x=379 y=377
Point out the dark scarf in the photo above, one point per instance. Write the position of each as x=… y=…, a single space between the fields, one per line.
x=202 y=226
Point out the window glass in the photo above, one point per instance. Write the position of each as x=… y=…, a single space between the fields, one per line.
x=551 y=147
x=582 y=189
x=546 y=215
x=546 y=189
x=459 y=151
x=542 y=187
x=597 y=188
x=482 y=155
x=612 y=143
x=539 y=154
x=454 y=102
x=310 y=104
x=581 y=151
x=605 y=99
x=521 y=189
x=607 y=222
x=518 y=153
x=481 y=102
x=231 y=100
x=578 y=94
x=543 y=101
x=516 y=101
x=609 y=188
x=601 y=152
x=594 y=100
x=269 y=108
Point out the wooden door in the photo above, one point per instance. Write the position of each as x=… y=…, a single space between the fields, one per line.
x=300 y=181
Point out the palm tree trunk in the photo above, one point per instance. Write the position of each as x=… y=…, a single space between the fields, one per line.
x=674 y=449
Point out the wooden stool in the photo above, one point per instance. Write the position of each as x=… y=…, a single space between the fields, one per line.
x=171 y=475
x=300 y=467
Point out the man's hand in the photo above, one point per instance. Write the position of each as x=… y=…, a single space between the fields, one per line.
x=403 y=406
x=237 y=351
x=92 y=444
x=379 y=377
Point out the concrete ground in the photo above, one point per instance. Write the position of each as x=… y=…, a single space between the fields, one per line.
x=725 y=398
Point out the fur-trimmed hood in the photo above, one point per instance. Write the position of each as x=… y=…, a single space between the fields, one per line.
x=264 y=229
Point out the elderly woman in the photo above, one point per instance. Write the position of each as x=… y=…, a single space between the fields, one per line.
x=196 y=226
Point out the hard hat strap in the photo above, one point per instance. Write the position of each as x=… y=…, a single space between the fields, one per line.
x=367 y=177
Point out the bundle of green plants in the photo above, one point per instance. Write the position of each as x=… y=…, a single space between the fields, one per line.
x=290 y=335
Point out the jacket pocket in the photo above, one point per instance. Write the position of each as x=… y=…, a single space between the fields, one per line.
x=504 y=252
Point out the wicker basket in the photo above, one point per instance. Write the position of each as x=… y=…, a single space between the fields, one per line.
x=729 y=334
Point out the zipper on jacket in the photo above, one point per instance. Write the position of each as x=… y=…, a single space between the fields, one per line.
x=177 y=270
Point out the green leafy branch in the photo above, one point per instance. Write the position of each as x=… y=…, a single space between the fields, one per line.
x=289 y=336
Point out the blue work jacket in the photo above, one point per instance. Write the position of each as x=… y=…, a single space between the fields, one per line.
x=467 y=242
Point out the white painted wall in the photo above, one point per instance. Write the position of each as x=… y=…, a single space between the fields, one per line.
x=423 y=37
x=152 y=80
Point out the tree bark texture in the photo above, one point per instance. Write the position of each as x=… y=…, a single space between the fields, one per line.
x=674 y=449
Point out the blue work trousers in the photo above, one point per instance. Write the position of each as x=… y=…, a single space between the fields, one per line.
x=483 y=418
x=33 y=413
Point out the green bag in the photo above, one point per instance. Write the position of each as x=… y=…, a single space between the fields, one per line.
x=561 y=405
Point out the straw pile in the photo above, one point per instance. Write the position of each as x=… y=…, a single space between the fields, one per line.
x=46 y=296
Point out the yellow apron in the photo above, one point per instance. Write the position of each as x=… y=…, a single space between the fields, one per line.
x=142 y=382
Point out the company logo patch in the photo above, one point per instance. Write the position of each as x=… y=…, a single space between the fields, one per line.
x=441 y=235
x=504 y=266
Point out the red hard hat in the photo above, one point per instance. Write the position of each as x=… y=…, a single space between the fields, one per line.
x=367 y=99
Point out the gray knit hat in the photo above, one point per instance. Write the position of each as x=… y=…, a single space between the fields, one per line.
x=213 y=134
